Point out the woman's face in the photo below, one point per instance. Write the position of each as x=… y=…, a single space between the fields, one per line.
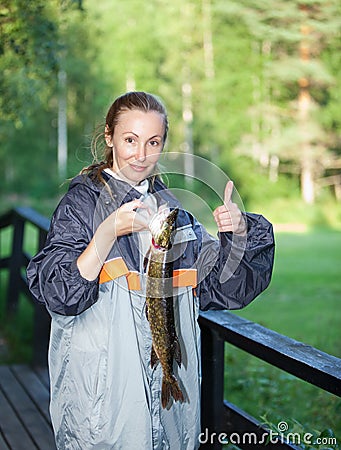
x=137 y=143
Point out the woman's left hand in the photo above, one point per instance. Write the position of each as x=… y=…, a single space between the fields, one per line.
x=228 y=216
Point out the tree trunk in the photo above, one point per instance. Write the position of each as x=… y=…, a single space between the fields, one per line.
x=62 y=124
x=304 y=107
x=208 y=41
x=130 y=83
x=187 y=116
x=307 y=182
x=186 y=91
x=209 y=73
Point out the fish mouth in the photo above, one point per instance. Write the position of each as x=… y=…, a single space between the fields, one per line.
x=171 y=218
x=161 y=227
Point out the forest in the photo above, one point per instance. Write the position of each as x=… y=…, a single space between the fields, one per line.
x=255 y=90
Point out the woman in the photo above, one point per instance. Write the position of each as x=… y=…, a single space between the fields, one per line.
x=90 y=276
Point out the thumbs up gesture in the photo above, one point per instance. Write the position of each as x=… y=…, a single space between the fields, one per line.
x=228 y=216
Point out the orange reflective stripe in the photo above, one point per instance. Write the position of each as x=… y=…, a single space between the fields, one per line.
x=116 y=267
x=112 y=269
x=133 y=279
x=185 y=277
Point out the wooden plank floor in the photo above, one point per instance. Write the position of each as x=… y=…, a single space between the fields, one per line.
x=24 y=409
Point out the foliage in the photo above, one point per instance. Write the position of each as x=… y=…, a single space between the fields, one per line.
x=38 y=42
x=235 y=66
x=29 y=53
x=289 y=89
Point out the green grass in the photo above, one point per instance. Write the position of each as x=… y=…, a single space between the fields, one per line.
x=303 y=302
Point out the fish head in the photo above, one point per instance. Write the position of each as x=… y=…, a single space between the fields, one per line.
x=162 y=226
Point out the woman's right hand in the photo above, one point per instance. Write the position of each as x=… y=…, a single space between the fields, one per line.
x=125 y=220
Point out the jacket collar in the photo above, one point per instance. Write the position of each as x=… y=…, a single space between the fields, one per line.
x=123 y=192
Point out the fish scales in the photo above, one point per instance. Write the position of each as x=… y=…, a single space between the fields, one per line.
x=160 y=311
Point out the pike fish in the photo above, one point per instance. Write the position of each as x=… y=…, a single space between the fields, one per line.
x=159 y=299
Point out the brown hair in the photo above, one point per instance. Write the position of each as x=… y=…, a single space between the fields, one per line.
x=130 y=101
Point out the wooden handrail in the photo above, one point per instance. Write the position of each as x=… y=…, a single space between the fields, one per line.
x=299 y=359
x=305 y=362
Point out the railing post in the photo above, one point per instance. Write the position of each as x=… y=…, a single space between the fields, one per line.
x=15 y=263
x=42 y=322
x=41 y=238
x=212 y=391
x=41 y=333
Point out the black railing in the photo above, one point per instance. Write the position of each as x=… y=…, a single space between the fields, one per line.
x=16 y=263
x=219 y=418
x=305 y=362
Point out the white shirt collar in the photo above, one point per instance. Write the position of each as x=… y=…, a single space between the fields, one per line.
x=142 y=187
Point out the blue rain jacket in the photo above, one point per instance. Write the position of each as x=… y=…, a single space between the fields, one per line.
x=104 y=393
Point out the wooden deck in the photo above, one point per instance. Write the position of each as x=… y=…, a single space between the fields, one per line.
x=24 y=409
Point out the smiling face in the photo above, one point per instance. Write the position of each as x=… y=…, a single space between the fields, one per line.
x=137 y=143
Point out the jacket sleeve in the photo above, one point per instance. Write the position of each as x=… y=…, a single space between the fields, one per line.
x=53 y=275
x=235 y=269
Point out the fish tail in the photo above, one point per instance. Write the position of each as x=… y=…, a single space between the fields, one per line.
x=171 y=388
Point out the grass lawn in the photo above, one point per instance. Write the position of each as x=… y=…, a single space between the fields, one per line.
x=303 y=302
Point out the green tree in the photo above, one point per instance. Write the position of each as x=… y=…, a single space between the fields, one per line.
x=290 y=40
x=38 y=41
x=28 y=55
x=229 y=73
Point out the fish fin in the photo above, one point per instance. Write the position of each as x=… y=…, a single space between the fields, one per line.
x=153 y=358
x=177 y=351
x=171 y=388
x=165 y=393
